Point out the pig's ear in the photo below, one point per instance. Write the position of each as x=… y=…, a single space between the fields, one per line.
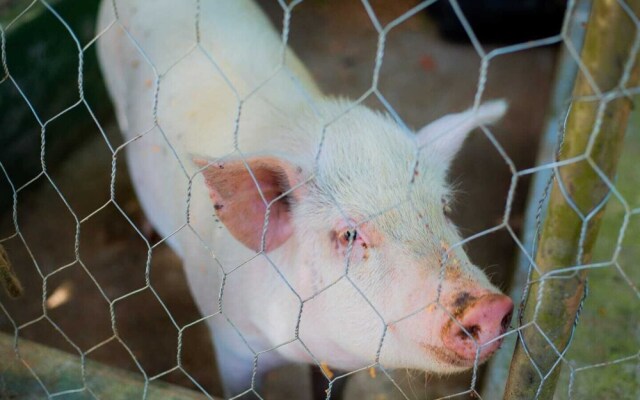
x=446 y=135
x=240 y=205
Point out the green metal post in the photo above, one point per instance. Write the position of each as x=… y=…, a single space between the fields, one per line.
x=554 y=301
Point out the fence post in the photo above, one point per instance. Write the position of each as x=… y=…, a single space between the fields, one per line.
x=594 y=135
x=566 y=70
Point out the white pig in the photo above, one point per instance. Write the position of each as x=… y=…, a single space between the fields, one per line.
x=357 y=262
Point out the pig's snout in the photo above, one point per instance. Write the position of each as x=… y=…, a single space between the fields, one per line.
x=483 y=319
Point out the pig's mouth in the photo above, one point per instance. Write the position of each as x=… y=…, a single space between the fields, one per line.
x=457 y=361
x=447 y=356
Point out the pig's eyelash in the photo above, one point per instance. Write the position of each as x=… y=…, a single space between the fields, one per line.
x=446 y=207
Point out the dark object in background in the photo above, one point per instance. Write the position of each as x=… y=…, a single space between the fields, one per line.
x=42 y=58
x=320 y=385
x=501 y=21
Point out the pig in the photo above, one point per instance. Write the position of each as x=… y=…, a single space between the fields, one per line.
x=312 y=229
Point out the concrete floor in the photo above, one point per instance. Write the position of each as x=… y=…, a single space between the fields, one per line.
x=422 y=77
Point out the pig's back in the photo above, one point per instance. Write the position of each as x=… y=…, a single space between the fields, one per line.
x=238 y=47
x=184 y=98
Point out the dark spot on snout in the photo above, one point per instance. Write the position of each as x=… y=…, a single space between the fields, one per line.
x=462 y=301
x=221 y=166
x=217 y=206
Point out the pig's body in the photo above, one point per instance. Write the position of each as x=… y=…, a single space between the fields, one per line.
x=365 y=177
x=197 y=107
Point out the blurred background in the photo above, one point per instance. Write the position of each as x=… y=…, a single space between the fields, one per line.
x=430 y=68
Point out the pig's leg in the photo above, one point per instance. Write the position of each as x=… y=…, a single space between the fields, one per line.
x=236 y=361
x=233 y=357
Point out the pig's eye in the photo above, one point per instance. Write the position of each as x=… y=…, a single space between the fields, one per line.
x=350 y=236
x=348 y=242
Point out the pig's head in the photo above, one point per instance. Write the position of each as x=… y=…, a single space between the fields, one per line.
x=361 y=231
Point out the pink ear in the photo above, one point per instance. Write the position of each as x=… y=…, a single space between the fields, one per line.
x=238 y=203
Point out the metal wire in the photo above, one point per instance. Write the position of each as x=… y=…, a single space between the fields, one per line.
x=346 y=278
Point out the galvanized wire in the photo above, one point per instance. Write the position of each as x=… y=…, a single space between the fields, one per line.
x=602 y=96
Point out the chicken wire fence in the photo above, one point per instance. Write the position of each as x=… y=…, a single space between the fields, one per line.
x=528 y=318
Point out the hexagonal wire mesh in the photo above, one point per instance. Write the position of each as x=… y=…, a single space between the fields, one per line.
x=227 y=272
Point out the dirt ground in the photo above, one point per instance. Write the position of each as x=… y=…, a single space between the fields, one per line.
x=422 y=77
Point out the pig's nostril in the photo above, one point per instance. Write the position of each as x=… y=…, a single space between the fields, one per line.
x=469 y=332
x=474 y=331
x=482 y=322
x=504 y=324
